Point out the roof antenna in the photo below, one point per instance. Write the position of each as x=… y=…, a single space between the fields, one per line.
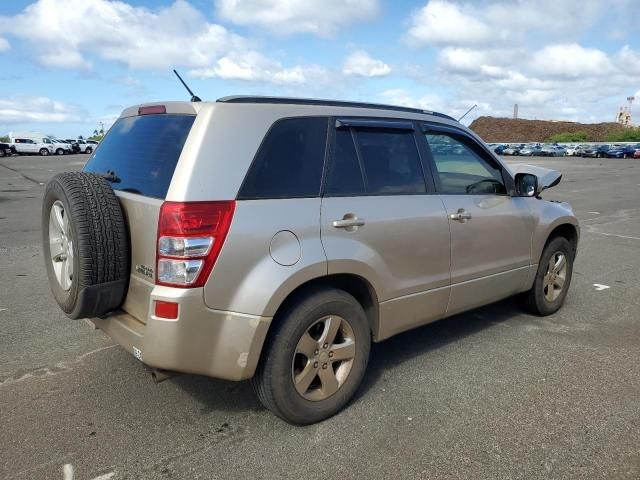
x=467 y=113
x=194 y=98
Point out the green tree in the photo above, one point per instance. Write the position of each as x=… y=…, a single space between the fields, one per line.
x=568 y=137
x=627 y=135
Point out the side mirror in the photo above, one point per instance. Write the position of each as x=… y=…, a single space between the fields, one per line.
x=526 y=185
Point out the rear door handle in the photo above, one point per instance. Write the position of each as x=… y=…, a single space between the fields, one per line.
x=461 y=215
x=348 y=222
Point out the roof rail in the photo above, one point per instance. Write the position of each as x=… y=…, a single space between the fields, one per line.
x=327 y=103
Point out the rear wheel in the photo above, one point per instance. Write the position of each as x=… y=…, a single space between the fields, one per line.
x=2 y=152
x=88 y=150
x=59 y=151
x=315 y=360
x=553 y=278
x=44 y=152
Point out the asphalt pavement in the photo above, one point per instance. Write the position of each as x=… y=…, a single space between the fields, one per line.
x=494 y=393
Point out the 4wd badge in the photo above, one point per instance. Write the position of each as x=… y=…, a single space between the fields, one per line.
x=144 y=270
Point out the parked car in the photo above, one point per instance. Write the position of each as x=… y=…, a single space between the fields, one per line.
x=596 y=151
x=85 y=146
x=530 y=151
x=60 y=147
x=511 y=151
x=636 y=154
x=5 y=150
x=48 y=144
x=576 y=151
x=75 y=148
x=267 y=262
x=625 y=151
x=551 y=151
x=29 y=146
x=500 y=149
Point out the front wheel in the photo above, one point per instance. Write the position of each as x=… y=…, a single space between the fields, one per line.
x=88 y=150
x=44 y=152
x=59 y=151
x=553 y=278
x=315 y=361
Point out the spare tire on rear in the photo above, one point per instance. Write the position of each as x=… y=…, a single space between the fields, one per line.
x=85 y=244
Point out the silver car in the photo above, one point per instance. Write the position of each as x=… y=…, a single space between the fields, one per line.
x=276 y=238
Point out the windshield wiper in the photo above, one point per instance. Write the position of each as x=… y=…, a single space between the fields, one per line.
x=110 y=176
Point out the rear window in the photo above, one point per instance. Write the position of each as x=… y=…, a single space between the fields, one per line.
x=140 y=153
x=290 y=161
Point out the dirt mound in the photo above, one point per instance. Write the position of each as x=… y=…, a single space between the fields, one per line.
x=519 y=130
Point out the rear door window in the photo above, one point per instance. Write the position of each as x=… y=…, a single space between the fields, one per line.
x=139 y=154
x=289 y=162
x=381 y=162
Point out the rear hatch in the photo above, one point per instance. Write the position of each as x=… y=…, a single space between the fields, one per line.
x=138 y=156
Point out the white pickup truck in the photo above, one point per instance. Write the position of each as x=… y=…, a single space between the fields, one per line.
x=35 y=142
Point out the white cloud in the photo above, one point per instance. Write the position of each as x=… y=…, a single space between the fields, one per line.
x=359 y=63
x=571 y=60
x=67 y=33
x=253 y=66
x=284 y=17
x=38 y=109
x=442 y=22
x=4 y=44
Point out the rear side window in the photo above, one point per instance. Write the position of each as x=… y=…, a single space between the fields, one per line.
x=140 y=153
x=388 y=163
x=289 y=162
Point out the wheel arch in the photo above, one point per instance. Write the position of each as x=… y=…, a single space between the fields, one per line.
x=566 y=230
x=357 y=286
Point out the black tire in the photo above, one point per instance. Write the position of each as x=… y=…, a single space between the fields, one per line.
x=2 y=152
x=44 y=152
x=88 y=150
x=273 y=381
x=100 y=244
x=534 y=299
x=59 y=151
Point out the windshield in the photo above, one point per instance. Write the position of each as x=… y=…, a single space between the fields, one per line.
x=139 y=154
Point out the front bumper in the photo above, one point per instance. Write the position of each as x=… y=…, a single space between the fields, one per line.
x=201 y=341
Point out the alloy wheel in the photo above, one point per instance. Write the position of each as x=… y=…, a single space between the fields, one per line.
x=323 y=358
x=555 y=276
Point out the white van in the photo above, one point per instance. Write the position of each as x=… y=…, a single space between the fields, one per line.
x=36 y=142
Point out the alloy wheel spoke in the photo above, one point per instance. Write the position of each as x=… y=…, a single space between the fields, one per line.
x=560 y=263
x=559 y=282
x=549 y=294
x=55 y=247
x=58 y=221
x=307 y=346
x=329 y=381
x=344 y=351
x=331 y=327
x=305 y=377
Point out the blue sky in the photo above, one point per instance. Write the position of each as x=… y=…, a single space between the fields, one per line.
x=66 y=65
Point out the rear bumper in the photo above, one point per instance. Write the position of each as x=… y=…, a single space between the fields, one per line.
x=201 y=341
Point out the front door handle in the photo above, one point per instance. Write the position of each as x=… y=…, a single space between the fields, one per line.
x=461 y=215
x=349 y=221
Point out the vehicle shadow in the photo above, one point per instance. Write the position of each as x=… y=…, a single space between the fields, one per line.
x=220 y=395
x=423 y=340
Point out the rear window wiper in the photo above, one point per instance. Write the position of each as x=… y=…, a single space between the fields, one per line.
x=110 y=176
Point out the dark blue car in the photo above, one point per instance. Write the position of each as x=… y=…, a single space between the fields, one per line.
x=623 y=152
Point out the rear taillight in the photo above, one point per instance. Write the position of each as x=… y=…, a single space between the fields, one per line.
x=190 y=237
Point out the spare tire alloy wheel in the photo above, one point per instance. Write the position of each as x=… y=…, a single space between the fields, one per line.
x=323 y=358
x=85 y=244
x=61 y=245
